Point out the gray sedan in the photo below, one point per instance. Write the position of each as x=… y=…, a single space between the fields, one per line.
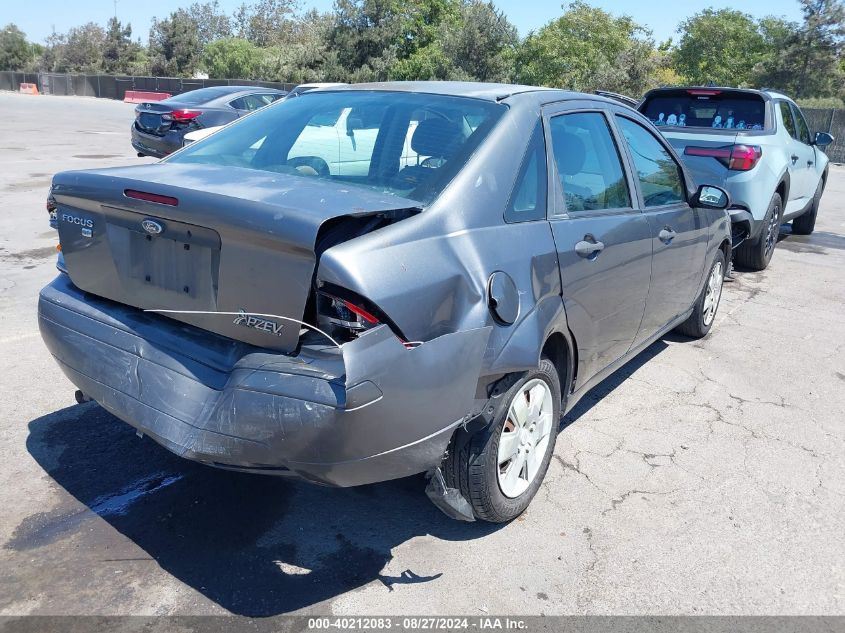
x=429 y=294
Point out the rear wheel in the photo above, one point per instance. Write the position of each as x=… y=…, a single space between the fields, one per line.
x=500 y=468
x=805 y=224
x=757 y=253
x=704 y=311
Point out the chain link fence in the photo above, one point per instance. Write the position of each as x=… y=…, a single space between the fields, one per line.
x=832 y=121
x=115 y=86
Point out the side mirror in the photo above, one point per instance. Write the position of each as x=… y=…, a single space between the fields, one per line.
x=711 y=197
x=823 y=139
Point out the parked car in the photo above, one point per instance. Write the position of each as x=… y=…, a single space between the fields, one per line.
x=251 y=311
x=755 y=144
x=159 y=126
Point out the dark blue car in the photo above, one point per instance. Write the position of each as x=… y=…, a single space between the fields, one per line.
x=160 y=126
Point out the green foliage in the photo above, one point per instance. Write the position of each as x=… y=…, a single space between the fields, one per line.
x=15 y=51
x=265 y=23
x=174 y=45
x=80 y=50
x=587 y=49
x=232 y=57
x=720 y=46
x=807 y=61
x=212 y=22
x=121 y=56
x=825 y=103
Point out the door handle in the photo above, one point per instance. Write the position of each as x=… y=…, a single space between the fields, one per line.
x=589 y=248
x=666 y=235
x=809 y=163
x=794 y=158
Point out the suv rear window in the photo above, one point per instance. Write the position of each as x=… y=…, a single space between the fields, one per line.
x=706 y=108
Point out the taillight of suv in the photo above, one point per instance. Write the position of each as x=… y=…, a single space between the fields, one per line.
x=734 y=157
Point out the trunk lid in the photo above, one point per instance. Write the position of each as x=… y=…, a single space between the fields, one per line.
x=704 y=169
x=235 y=240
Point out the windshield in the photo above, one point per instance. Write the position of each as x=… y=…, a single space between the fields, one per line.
x=406 y=144
x=706 y=108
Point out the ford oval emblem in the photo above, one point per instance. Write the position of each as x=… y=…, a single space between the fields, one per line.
x=152 y=227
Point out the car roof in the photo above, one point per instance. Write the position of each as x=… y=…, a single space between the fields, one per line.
x=478 y=90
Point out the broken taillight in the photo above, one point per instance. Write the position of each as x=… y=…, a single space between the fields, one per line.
x=342 y=318
x=52 y=208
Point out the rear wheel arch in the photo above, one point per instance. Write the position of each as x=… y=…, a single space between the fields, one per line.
x=561 y=351
x=783 y=188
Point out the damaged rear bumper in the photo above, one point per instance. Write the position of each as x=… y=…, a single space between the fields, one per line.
x=369 y=411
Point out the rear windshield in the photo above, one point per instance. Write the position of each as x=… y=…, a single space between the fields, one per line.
x=198 y=97
x=706 y=108
x=404 y=144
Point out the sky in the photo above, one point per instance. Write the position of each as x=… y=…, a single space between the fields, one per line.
x=39 y=19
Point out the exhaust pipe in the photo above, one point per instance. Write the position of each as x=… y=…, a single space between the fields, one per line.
x=81 y=398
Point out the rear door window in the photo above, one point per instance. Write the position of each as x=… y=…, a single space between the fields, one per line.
x=588 y=163
x=658 y=172
x=706 y=108
x=801 y=125
x=788 y=121
x=251 y=102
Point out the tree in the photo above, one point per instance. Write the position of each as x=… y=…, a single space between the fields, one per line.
x=232 y=57
x=79 y=50
x=474 y=42
x=806 y=61
x=720 y=46
x=212 y=22
x=120 y=54
x=366 y=36
x=482 y=44
x=15 y=51
x=267 y=22
x=174 y=45
x=578 y=49
x=306 y=57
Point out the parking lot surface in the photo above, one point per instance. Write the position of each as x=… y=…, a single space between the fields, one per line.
x=705 y=477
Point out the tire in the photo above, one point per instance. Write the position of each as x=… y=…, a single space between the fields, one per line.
x=704 y=311
x=474 y=468
x=757 y=253
x=805 y=224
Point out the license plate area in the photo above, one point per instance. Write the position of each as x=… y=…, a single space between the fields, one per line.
x=176 y=268
x=150 y=122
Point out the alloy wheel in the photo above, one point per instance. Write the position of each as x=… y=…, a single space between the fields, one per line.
x=525 y=437
x=772 y=232
x=712 y=293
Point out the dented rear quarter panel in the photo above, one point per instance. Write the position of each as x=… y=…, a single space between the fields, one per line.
x=429 y=273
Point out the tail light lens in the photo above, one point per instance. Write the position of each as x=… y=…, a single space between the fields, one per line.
x=181 y=116
x=342 y=318
x=734 y=157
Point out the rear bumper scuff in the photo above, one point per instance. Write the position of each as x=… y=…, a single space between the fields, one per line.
x=368 y=412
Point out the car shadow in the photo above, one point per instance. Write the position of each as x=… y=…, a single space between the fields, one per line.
x=609 y=384
x=255 y=545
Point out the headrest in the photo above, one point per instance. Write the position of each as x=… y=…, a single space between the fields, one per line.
x=436 y=137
